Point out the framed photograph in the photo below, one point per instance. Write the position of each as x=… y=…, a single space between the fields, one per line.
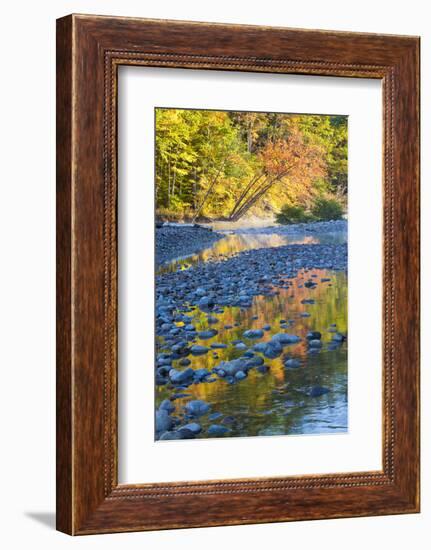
x=237 y=274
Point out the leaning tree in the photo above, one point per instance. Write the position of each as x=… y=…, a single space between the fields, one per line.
x=292 y=159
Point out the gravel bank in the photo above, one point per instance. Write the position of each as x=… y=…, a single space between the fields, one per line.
x=337 y=226
x=235 y=280
x=176 y=241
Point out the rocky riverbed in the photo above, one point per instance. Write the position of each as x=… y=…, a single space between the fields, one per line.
x=176 y=241
x=264 y=326
x=338 y=227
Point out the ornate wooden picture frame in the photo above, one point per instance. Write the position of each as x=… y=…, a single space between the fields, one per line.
x=89 y=51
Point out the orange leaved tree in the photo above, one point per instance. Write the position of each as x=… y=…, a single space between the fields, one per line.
x=289 y=160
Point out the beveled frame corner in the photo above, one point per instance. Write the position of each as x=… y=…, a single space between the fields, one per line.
x=89 y=51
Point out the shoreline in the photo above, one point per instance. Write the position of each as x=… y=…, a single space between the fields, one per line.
x=332 y=226
x=174 y=241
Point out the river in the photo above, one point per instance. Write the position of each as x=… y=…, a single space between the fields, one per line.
x=277 y=402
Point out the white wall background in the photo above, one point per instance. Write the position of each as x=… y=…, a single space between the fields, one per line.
x=27 y=252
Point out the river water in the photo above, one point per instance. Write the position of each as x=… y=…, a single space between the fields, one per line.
x=277 y=402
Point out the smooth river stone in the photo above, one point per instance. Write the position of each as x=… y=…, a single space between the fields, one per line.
x=198 y=350
x=240 y=346
x=207 y=334
x=255 y=361
x=167 y=405
x=253 y=333
x=197 y=407
x=163 y=421
x=181 y=377
x=273 y=349
x=314 y=335
x=292 y=363
x=201 y=374
x=217 y=429
x=194 y=427
x=284 y=338
x=260 y=347
x=315 y=343
x=218 y=345
x=230 y=368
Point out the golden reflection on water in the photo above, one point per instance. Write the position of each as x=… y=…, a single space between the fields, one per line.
x=235 y=243
x=257 y=404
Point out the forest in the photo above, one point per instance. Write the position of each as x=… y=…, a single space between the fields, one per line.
x=231 y=165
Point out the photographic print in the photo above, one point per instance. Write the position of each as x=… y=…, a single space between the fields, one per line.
x=251 y=274
x=210 y=230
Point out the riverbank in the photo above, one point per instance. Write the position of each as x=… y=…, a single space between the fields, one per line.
x=177 y=241
x=182 y=240
x=328 y=227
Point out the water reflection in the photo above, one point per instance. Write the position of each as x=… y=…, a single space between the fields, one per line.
x=233 y=243
x=277 y=402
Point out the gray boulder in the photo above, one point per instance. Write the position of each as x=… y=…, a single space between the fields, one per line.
x=198 y=350
x=253 y=333
x=314 y=343
x=260 y=347
x=206 y=303
x=292 y=363
x=197 y=407
x=284 y=338
x=230 y=368
x=181 y=377
x=217 y=429
x=163 y=421
x=167 y=405
x=240 y=346
x=194 y=427
x=207 y=334
x=273 y=349
x=254 y=362
x=201 y=374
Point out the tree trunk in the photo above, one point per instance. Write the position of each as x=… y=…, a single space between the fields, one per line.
x=173 y=182
x=207 y=194
x=252 y=194
x=244 y=193
x=249 y=138
x=195 y=186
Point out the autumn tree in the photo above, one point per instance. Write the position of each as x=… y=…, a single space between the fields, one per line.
x=229 y=164
x=290 y=160
x=330 y=133
x=218 y=147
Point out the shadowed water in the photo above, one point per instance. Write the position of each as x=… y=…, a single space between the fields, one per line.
x=278 y=401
